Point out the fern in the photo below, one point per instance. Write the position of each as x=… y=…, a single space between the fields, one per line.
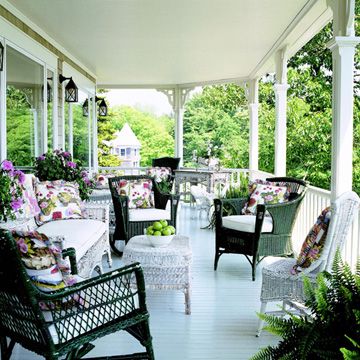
x=333 y=329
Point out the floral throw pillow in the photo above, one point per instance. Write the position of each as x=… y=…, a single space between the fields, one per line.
x=30 y=207
x=314 y=242
x=264 y=194
x=139 y=192
x=58 y=200
x=159 y=173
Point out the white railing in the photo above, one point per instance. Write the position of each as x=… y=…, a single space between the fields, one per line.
x=315 y=201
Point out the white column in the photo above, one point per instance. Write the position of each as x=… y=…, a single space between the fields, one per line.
x=95 y=136
x=343 y=51
x=280 y=89
x=177 y=98
x=254 y=125
x=3 y=106
x=71 y=131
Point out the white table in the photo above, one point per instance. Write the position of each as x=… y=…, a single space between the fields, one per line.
x=164 y=267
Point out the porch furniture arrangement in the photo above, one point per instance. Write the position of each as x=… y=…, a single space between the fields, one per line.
x=165 y=268
x=209 y=178
x=267 y=233
x=132 y=221
x=64 y=322
x=89 y=236
x=281 y=283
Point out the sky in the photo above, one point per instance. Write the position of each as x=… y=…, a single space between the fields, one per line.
x=143 y=99
x=148 y=100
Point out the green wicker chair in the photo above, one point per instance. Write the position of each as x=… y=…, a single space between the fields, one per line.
x=104 y=305
x=255 y=245
x=126 y=227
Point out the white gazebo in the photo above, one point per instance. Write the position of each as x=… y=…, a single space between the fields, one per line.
x=126 y=146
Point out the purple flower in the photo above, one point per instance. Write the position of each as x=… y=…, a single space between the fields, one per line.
x=20 y=175
x=41 y=158
x=66 y=154
x=7 y=165
x=16 y=204
x=71 y=164
x=44 y=204
x=22 y=246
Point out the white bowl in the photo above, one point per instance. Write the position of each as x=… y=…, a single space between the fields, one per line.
x=160 y=241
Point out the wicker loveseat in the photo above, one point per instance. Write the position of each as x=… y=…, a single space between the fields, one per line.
x=89 y=236
x=63 y=322
x=257 y=236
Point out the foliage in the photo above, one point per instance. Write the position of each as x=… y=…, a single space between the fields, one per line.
x=334 y=320
x=238 y=190
x=58 y=165
x=10 y=190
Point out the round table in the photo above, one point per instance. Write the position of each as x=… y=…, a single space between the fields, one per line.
x=166 y=267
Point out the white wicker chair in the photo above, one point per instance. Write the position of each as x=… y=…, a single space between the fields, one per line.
x=203 y=200
x=278 y=284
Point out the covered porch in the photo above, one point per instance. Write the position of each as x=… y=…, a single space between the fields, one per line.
x=174 y=48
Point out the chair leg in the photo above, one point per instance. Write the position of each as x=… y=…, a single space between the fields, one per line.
x=261 y=322
x=253 y=265
x=217 y=256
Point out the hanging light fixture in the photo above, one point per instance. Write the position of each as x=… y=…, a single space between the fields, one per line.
x=102 y=107
x=85 y=108
x=102 y=110
x=71 y=90
x=1 y=56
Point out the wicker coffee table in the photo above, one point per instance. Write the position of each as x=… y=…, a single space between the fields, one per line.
x=164 y=267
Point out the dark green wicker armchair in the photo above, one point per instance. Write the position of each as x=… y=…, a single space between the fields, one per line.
x=260 y=239
x=128 y=223
x=100 y=306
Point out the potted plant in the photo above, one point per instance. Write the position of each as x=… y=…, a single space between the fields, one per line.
x=59 y=165
x=331 y=330
x=10 y=191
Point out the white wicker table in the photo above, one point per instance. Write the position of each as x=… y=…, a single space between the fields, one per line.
x=164 y=267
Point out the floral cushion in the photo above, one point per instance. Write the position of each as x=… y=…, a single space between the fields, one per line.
x=265 y=194
x=314 y=242
x=58 y=200
x=139 y=192
x=44 y=264
x=30 y=207
x=159 y=173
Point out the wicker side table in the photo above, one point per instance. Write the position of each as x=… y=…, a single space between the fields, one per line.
x=163 y=267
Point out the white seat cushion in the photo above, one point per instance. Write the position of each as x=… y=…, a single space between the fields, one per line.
x=81 y=234
x=149 y=214
x=246 y=223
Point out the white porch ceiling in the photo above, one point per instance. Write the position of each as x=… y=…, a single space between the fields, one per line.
x=163 y=42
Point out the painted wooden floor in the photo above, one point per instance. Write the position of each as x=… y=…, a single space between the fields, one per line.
x=223 y=322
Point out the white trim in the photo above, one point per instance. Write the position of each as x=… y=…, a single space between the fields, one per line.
x=89 y=135
x=71 y=130
x=44 y=123
x=95 y=140
x=55 y=112
x=3 y=106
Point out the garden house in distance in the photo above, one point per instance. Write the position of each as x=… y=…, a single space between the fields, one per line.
x=126 y=146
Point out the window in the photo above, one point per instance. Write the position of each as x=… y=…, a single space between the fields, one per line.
x=24 y=108
x=122 y=152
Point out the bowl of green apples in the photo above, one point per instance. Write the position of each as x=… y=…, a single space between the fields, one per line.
x=160 y=233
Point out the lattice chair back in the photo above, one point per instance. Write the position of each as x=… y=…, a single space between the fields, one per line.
x=167 y=161
x=63 y=322
x=21 y=318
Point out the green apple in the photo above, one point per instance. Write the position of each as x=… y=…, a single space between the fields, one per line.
x=164 y=223
x=166 y=231
x=172 y=229
x=157 y=233
x=157 y=226
x=149 y=230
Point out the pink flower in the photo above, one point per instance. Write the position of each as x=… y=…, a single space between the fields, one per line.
x=41 y=158
x=44 y=204
x=71 y=164
x=57 y=215
x=66 y=154
x=7 y=165
x=20 y=175
x=269 y=198
x=16 y=204
x=22 y=246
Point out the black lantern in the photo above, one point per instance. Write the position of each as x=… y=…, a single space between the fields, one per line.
x=1 y=56
x=102 y=110
x=49 y=92
x=85 y=107
x=71 y=90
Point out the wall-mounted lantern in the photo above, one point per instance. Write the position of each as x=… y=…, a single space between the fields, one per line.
x=102 y=107
x=71 y=90
x=1 y=56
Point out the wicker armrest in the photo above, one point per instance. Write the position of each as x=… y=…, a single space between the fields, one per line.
x=95 y=302
x=71 y=254
x=236 y=204
x=97 y=212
